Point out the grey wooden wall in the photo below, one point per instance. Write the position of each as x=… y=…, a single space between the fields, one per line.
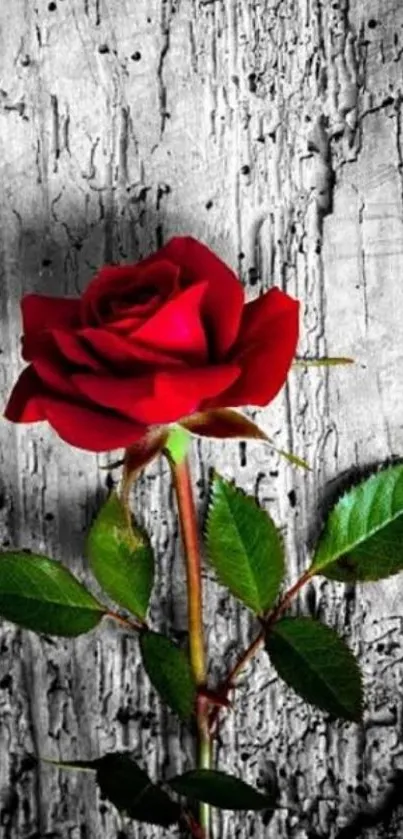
x=271 y=129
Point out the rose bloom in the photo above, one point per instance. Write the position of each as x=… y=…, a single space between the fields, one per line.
x=148 y=345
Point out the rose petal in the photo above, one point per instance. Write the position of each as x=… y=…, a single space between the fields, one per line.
x=274 y=308
x=80 y=425
x=126 y=317
x=176 y=327
x=114 y=281
x=54 y=375
x=181 y=392
x=265 y=350
x=130 y=397
x=88 y=428
x=51 y=366
x=165 y=398
x=40 y=312
x=25 y=403
x=120 y=353
x=74 y=350
x=223 y=302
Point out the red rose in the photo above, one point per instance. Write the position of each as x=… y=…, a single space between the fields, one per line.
x=149 y=344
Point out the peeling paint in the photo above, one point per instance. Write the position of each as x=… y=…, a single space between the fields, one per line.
x=271 y=130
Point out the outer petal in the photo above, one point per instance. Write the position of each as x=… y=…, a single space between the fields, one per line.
x=25 y=402
x=40 y=312
x=129 y=397
x=265 y=350
x=89 y=428
x=184 y=391
x=80 y=425
x=176 y=327
x=223 y=302
x=166 y=398
x=52 y=367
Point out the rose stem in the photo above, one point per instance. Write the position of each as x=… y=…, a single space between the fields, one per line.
x=189 y=531
x=246 y=656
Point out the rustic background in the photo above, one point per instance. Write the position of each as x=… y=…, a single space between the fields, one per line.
x=272 y=131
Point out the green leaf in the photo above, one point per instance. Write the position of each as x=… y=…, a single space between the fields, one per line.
x=244 y=546
x=128 y=787
x=121 y=558
x=221 y=790
x=38 y=593
x=168 y=669
x=363 y=536
x=313 y=660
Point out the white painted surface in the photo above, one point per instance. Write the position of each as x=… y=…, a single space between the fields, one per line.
x=272 y=131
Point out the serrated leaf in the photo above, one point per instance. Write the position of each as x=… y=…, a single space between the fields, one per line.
x=39 y=593
x=122 y=781
x=225 y=423
x=313 y=660
x=121 y=558
x=221 y=790
x=244 y=546
x=363 y=536
x=168 y=669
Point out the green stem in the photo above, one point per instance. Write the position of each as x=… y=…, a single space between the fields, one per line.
x=190 y=538
x=204 y=762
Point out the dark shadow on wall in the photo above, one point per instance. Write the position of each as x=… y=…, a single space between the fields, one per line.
x=59 y=253
x=379 y=816
x=59 y=257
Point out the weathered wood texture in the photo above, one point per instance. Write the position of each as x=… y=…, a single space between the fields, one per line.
x=271 y=130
